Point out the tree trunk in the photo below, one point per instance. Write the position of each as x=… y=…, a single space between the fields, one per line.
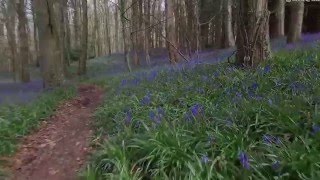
x=108 y=33
x=227 y=30
x=84 y=40
x=124 y=34
x=48 y=45
x=116 y=29
x=10 y=15
x=253 y=43
x=62 y=35
x=75 y=23
x=171 y=38
x=277 y=19
x=97 y=39
x=134 y=35
x=296 y=21
x=147 y=31
x=35 y=34
x=23 y=42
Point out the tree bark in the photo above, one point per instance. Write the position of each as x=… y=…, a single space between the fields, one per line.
x=124 y=34
x=10 y=15
x=97 y=38
x=253 y=43
x=277 y=19
x=75 y=23
x=84 y=40
x=171 y=38
x=48 y=45
x=35 y=34
x=147 y=32
x=227 y=30
x=23 y=43
x=296 y=21
x=134 y=35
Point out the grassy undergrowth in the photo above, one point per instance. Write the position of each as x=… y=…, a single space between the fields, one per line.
x=213 y=122
x=17 y=121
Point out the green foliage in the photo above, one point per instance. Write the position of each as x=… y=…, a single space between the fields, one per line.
x=213 y=122
x=17 y=121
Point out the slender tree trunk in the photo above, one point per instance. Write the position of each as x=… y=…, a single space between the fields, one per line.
x=171 y=38
x=124 y=34
x=68 y=34
x=62 y=36
x=296 y=21
x=35 y=34
x=75 y=23
x=48 y=44
x=134 y=35
x=97 y=39
x=147 y=30
x=10 y=15
x=108 y=34
x=84 y=40
x=253 y=43
x=23 y=42
x=277 y=19
x=227 y=30
x=116 y=29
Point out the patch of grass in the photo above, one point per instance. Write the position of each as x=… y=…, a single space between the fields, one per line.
x=18 y=121
x=213 y=122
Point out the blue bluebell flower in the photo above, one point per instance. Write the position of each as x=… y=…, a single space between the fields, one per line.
x=267 y=69
x=205 y=159
x=128 y=118
x=146 y=100
x=270 y=139
x=197 y=110
x=244 y=160
x=276 y=165
x=315 y=129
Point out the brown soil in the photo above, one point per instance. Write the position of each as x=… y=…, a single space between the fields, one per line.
x=58 y=150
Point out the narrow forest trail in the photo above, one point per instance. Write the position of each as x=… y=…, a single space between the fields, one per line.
x=60 y=147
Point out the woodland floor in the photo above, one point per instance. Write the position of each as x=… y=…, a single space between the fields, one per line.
x=58 y=150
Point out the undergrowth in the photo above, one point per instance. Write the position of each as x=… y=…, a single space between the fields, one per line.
x=213 y=122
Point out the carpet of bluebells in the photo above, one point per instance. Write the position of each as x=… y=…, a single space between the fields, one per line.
x=203 y=121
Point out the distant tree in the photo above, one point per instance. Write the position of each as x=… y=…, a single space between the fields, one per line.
x=24 y=53
x=227 y=30
x=9 y=12
x=253 y=43
x=295 y=21
x=172 y=45
x=84 y=40
x=122 y=7
x=277 y=18
x=50 y=65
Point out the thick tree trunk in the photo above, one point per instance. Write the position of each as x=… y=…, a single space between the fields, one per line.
x=253 y=43
x=227 y=30
x=296 y=21
x=48 y=45
x=277 y=19
x=84 y=40
x=23 y=42
x=171 y=38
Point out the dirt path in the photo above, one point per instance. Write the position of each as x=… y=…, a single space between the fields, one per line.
x=60 y=148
